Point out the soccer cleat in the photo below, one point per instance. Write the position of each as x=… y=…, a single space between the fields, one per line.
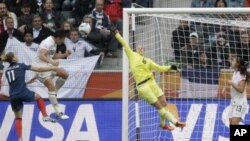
x=61 y=115
x=49 y=119
x=167 y=127
x=180 y=124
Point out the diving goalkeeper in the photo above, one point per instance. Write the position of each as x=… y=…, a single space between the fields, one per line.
x=147 y=88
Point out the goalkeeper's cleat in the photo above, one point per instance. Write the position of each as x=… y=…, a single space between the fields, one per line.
x=49 y=119
x=61 y=115
x=167 y=127
x=180 y=124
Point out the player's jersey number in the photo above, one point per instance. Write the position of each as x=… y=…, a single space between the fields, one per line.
x=238 y=108
x=11 y=76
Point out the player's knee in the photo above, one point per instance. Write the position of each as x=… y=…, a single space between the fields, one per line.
x=66 y=75
x=37 y=96
x=18 y=114
x=235 y=121
x=62 y=73
x=49 y=84
x=51 y=87
x=157 y=105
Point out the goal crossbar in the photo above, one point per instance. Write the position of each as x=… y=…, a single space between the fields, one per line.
x=185 y=10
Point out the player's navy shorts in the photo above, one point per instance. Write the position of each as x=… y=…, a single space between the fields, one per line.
x=17 y=101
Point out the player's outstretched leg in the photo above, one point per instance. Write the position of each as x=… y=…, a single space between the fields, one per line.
x=164 y=114
x=62 y=76
x=41 y=106
x=53 y=100
x=168 y=115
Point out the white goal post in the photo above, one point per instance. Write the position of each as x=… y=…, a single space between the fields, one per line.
x=128 y=27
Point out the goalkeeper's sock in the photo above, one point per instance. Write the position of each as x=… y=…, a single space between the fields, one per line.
x=167 y=115
x=162 y=119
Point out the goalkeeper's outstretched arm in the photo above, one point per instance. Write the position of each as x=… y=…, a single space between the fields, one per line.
x=125 y=45
x=159 y=68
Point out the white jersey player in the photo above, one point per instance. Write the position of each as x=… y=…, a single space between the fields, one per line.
x=238 y=106
x=47 y=56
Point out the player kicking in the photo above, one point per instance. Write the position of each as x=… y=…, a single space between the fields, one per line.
x=238 y=107
x=18 y=91
x=47 y=56
x=147 y=88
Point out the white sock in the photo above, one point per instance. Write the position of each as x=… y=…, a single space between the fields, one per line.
x=53 y=101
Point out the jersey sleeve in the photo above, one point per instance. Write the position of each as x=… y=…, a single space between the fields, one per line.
x=87 y=46
x=44 y=45
x=26 y=67
x=241 y=77
x=154 y=66
x=237 y=77
x=125 y=45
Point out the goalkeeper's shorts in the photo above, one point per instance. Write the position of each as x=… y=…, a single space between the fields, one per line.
x=149 y=91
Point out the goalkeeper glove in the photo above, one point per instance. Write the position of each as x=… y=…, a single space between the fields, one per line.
x=174 y=67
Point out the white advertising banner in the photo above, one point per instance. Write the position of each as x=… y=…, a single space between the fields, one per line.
x=79 y=72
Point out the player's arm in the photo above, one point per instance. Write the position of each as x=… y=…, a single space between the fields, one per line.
x=125 y=45
x=240 y=87
x=43 y=53
x=31 y=80
x=159 y=68
x=43 y=69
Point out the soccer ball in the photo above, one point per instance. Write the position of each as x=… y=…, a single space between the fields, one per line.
x=84 y=29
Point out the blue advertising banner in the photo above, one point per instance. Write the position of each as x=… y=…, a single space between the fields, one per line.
x=89 y=121
x=207 y=120
x=101 y=121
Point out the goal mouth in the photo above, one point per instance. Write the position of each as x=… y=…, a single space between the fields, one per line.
x=202 y=43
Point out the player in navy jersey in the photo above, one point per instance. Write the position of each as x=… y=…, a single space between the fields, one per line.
x=19 y=92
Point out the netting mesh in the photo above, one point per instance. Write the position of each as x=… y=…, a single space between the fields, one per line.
x=202 y=46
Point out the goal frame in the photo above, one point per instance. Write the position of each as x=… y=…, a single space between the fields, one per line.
x=125 y=64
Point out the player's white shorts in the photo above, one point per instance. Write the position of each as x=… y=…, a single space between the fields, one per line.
x=238 y=111
x=42 y=76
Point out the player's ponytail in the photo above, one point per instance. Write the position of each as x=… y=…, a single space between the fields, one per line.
x=9 y=57
x=242 y=68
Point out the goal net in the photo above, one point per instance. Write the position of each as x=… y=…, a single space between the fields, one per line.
x=201 y=42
